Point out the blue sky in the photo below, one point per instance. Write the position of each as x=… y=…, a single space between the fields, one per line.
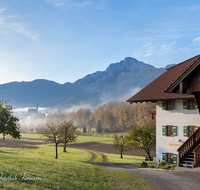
x=64 y=40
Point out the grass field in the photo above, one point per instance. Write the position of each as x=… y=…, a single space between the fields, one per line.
x=127 y=159
x=37 y=169
x=81 y=138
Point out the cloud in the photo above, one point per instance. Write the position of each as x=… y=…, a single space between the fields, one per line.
x=58 y=3
x=196 y=39
x=7 y=25
x=166 y=48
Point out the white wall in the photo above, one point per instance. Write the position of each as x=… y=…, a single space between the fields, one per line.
x=178 y=117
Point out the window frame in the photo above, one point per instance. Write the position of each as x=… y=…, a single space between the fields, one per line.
x=188 y=102
x=193 y=106
x=169 y=130
x=169 y=104
x=188 y=130
x=170 y=157
x=172 y=130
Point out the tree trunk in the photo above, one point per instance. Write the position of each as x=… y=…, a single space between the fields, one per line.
x=56 y=150
x=64 y=147
x=121 y=153
x=148 y=153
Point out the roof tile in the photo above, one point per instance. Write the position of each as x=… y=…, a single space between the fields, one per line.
x=154 y=90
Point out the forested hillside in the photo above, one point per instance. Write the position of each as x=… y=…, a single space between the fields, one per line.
x=113 y=115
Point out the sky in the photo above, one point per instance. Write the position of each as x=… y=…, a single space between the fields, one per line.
x=64 y=40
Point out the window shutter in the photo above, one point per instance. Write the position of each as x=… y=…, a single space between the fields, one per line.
x=184 y=104
x=174 y=158
x=174 y=131
x=163 y=105
x=196 y=128
x=185 y=131
x=196 y=107
x=164 y=156
x=172 y=104
x=164 y=130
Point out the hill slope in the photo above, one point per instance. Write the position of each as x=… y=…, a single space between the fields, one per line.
x=118 y=80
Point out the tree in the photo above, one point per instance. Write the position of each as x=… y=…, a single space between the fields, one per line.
x=142 y=137
x=67 y=132
x=9 y=124
x=120 y=142
x=99 y=127
x=52 y=134
x=84 y=129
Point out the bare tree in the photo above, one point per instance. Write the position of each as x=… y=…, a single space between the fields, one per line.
x=67 y=132
x=53 y=134
x=120 y=142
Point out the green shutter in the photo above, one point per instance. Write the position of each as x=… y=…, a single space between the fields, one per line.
x=164 y=156
x=163 y=105
x=172 y=104
x=174 y=158
x=185 y=131
x=174 y=131
x=196 y=128
x=184 y=104
x=164 y=130
x=196 y=107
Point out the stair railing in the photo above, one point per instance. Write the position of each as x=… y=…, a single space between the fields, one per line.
x=197 y=156
x=188 y=146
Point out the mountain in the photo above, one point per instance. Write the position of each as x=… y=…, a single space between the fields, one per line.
x=118 y=80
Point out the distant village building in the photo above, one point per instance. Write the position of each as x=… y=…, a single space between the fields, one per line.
x=177 y=96
x=33 y=111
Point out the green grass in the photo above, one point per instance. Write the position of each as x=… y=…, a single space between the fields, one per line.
x=80 y=139
x=127 y=159
x=70 y=171
x=99 y=157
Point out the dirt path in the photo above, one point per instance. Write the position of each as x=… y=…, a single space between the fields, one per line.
x=93 y=156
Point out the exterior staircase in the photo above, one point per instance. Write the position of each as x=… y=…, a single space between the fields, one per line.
x=189 y=151
x=188 y=161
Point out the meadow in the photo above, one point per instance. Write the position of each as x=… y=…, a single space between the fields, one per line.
x=23 y=168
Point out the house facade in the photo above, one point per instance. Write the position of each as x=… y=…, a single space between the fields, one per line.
x=177 y=114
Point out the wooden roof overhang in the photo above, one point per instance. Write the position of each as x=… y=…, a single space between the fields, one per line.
x=181 y=83
x=160 y=99
x=170 y=85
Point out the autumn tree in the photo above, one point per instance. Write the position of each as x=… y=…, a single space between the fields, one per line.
x=142 y=137
x=52 y=134
x=9 y=124
x=84 y=129
x=120 y=142
x=67 y=132
x=99 y=127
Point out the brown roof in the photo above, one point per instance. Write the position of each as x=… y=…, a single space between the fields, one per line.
x=154 y=90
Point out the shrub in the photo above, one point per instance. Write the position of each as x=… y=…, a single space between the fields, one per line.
x=106 y=130
x=143 y=165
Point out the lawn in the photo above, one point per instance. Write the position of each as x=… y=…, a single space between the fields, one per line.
x=81 y=138
x=37 y=169
x=127 y=159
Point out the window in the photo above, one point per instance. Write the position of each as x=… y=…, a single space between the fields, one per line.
x=169 y=130
x=168 y=105
x=169 y=157
x=189 y=130
x=189 y=104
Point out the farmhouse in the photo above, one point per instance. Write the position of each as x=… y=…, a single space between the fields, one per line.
x=177 y=96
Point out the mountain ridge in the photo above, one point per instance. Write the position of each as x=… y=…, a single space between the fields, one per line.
x=115 y=82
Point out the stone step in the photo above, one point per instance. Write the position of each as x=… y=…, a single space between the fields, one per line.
x=187 y=161
x=186 y=165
